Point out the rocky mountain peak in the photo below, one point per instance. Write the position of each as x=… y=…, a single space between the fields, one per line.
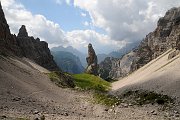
x=8 y=43
x=22 y=32
x=24 y=46
x=35 y=49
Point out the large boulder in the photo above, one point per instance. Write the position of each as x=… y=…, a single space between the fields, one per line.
x=92 y=61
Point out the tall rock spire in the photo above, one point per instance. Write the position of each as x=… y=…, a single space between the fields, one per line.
x=22 y=32
x=92 y=67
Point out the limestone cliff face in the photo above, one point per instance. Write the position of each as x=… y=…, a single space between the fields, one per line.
x=24 y=46
x=115 y=68
x=164 y=37
x=35 y=49
x=8 y=43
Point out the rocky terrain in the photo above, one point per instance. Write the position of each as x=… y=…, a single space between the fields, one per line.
x=32 y=95
x=68 y=62
x=35 y=49
x=164 y=37
x=8 y=42
x=28 y=92
x=92 y=61
x=161 y=76
x=24 y=46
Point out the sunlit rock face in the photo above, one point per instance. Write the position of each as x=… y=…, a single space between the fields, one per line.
x=92 y=61
x=164 y=37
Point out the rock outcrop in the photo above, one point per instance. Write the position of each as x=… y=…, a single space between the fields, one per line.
x=105 y=67
x=8 y=43
x=165 y=36
x=115 y=68
x=22 y=32
x=24 y=46
x=92 y=61
x=35 y=50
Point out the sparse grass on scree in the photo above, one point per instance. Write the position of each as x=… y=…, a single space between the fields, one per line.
x=91 y=82
x=139 y=97
x=61 y=79
x=99 y=87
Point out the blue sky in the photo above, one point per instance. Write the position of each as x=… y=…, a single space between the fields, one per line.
x=108 y=24
x=67 y=16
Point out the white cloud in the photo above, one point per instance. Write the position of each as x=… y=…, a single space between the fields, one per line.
x=68 y=2
x=102 y=43
x=83 y=14
x=128 y=20
x=123 y=20
x=86 y=23
x=60 y=2
x=40 y=26
x=37 y=25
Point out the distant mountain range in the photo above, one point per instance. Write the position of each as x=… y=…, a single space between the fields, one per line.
x=101 y=57
x=126 y=49
x=72 y=50
x=68 y=62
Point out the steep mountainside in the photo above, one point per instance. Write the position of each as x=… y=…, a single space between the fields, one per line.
x=24 y=46
x=35 y=49
x=161 y=75
x=165 y=36
x=68 y=62
x=8 y=43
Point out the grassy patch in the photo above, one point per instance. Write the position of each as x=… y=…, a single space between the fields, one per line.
x=61 y=79
x=98 y=86
x=145 y=97
x=106 y=99
x=91 y=82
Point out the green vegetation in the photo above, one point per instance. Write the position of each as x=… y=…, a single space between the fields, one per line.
x=100 y=89
x=61 y=79
x=98 y=86
x=106 y=99
x=145 y=97
x=91 y=82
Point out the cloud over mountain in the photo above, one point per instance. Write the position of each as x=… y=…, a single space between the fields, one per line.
x=128 y=20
